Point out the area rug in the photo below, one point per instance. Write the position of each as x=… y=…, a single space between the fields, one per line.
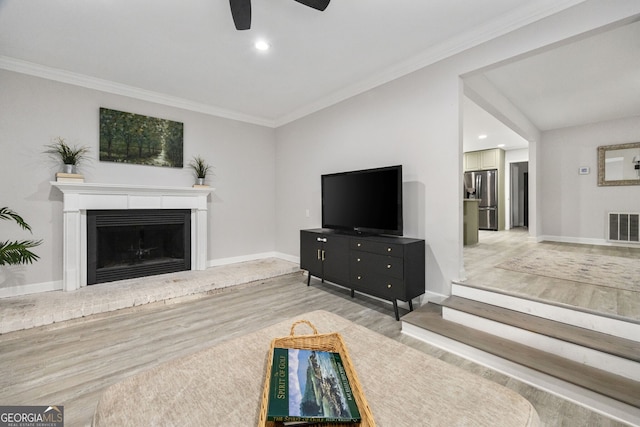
x=601 y=270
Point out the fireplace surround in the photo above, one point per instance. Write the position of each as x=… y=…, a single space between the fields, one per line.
x=79 y=198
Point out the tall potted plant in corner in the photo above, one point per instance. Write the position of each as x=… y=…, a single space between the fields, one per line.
x=70 y=156
x=17 y=252
x=200 y=168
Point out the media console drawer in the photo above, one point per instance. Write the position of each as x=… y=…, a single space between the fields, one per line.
x=376 y=247
x=380 y=286
x=376 y=264
x=392 y=268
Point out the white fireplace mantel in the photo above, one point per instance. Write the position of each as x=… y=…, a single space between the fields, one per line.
x=80 y=197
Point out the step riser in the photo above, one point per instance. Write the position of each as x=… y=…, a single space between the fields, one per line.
x=577 y=353
x=579 y=395
x=581 y=319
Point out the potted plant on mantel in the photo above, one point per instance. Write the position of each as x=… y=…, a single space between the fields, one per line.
x=200 y=168
x=70 y=157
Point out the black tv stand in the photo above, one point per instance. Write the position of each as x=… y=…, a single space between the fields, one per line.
x=390 y=268
x=355 y=233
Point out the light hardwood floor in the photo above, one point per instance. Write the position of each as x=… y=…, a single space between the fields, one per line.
x=71 y=363
x=497 y=246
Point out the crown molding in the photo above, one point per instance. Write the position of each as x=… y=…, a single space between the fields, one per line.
x=503 y=25
x=77 y=79
x=496 y=28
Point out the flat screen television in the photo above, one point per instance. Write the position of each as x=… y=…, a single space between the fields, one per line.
x=364 y=201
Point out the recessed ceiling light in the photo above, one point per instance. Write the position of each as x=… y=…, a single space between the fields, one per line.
x=501 y=145
x=262 y=45
x=483 y=136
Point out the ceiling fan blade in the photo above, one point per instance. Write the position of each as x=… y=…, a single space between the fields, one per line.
x=316 y=4
x=241 y=12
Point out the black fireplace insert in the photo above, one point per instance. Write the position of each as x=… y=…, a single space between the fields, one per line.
x=125 y=244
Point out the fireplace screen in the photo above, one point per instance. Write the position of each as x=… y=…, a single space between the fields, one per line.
x=135 y=243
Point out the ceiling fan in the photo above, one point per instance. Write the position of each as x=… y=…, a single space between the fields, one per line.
x=241 y=10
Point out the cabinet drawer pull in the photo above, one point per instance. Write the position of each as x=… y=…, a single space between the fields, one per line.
x=388 y=249
x=389 y=286
x=358 y=259
x=322 y=239
x=359 y=244
x=323 y=255
x=388 y=266
x=359 y=277
x=318 y=253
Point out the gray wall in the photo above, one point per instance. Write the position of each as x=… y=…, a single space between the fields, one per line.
x=415 y=121
x=573 y=207
x=267 y=179
x=35 y=110
x=392 y=124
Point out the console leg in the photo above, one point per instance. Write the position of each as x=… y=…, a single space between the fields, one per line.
x=308 y=279
x=395 y=309
x=353 y=293
x=410 y=305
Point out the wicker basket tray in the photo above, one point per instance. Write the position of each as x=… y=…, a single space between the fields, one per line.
x=322 y=342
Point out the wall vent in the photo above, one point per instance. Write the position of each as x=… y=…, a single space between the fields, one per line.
x=624 y=227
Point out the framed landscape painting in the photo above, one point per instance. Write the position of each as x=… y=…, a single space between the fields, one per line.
x=142 y=140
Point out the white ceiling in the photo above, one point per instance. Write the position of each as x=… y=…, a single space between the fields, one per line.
x=477 y=121
x=593 y=79
x=189 y=54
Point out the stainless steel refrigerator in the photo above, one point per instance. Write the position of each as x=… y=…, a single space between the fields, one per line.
x=483 y=185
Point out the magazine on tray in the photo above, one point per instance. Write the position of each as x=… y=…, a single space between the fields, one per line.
x=310 y=386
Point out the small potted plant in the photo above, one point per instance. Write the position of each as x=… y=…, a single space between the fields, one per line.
x=200 y=168
x=70 y=156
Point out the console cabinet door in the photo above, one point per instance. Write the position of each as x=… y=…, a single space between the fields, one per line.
x=325 y=255
x=336 y=258
x=311 y=252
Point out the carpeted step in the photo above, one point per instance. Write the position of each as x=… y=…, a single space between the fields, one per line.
x=429 y=317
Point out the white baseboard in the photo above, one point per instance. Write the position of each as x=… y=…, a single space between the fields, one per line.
x=435 y=297
x=286 y=257
x=251 y=257
x=585 y=241
x=30 y=288
x=578 y=395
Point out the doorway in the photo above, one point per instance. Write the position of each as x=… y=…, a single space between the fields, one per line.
x=519 y=194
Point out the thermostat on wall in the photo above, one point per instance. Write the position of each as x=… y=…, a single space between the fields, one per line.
x=584 y=170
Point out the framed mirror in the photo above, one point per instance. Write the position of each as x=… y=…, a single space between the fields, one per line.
x=619 y=164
